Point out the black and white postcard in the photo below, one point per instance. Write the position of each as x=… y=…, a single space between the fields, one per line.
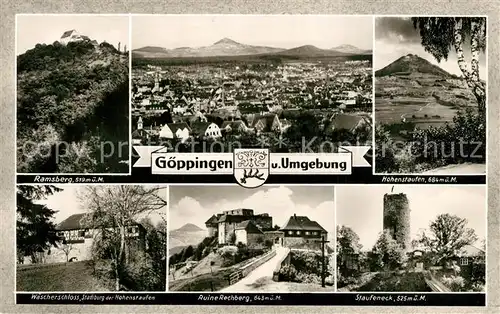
x=208 y=159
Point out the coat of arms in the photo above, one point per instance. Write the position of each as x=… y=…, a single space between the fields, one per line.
x=251 y=166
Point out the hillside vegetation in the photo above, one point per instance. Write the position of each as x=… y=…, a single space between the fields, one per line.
x=72 y=107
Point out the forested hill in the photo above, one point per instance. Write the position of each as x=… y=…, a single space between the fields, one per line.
x=70 y=100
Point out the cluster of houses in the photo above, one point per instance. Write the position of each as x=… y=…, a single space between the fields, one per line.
x=203 y=103
x=76 y=238
x=255 y=230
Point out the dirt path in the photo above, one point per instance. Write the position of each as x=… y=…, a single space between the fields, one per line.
x=265 y=270
x=404 y=115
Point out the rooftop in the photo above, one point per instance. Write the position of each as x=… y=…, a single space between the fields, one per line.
x=301 y=223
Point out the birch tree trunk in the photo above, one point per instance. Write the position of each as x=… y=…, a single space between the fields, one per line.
x=117 y=271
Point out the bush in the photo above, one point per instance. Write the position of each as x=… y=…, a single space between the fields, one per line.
x=307 y=262
x=329 y=281
x=307 y=278
x=228 y=254
x=477 y=287
x=268 y=243
x=287 y=273
x=462 y=141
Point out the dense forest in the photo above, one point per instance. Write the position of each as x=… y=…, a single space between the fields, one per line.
x=72 y=109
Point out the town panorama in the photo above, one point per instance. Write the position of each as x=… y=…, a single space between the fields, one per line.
x=228 y=95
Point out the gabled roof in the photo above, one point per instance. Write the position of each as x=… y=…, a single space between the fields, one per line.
x=176 y=126
x=77 y=221
x=248 y=226
x=139 y=133
x=68 y=33
x=199 y=128
x=302 y=223
x=73 y=222
x=266 y=119
x=345 y=121
x=212 y=220
x=233 y=124
x=470 y=251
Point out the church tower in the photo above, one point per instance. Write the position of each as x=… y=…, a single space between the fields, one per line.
x=139 y=124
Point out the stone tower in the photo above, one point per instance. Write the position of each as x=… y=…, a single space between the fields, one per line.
x=397 y=218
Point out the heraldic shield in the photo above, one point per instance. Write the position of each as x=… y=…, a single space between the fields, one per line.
x=251 y=166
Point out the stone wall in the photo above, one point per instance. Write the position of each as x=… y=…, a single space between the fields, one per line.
x=245 y=270
x=264 y=222
x=212 y=231
x=287 y=258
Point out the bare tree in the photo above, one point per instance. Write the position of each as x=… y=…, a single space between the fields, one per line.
x=114 y=207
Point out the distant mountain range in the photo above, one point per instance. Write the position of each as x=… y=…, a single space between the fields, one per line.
x=229 y=47
x=189 y=234
x=350 y=49
x=412 y=64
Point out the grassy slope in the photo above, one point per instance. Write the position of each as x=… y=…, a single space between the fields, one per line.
x=76 y=276
x=393 y=281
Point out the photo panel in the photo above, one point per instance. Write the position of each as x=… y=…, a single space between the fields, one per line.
x=418 y=239
x=91 y=238
x=72 y=83
x=270 y=239
x=430 y=94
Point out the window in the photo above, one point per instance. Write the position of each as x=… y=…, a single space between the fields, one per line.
x=464 y=261
x=315 y=232
x=298 y=232
x=81 y=233
x=308 y=233
x=290 y=232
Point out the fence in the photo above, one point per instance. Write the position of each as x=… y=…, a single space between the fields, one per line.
x=235 y=277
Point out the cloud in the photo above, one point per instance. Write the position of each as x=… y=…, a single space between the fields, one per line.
x=396 y=30
x=396 y=37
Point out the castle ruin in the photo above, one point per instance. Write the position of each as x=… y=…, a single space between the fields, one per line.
x=397 y=218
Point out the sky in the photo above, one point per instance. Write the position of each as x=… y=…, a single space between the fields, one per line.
x=195 y=204
x=68 y=202
x=361 y=208
x=396 y=37
x=282 y=31
x=38 y=29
